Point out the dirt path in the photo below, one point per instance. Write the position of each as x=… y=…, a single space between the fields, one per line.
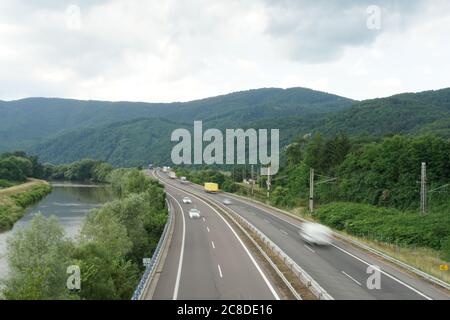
x=22 y=187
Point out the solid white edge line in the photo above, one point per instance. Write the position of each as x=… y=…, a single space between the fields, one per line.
x=337 y=247
x=180 y=263
x=385 y=273
x=351 y=278
x=269 y=285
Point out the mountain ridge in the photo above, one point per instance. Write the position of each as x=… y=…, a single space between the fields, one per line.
x=294 y=111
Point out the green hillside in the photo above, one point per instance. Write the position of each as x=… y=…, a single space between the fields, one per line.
x=129 y=134
x=28 y=122
x=126 y=144
x=409 y=113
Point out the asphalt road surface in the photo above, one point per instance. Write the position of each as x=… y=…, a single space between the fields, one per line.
x=341 y=269
x=206 y=260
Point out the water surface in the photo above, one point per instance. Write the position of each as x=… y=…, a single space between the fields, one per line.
x=69 y=202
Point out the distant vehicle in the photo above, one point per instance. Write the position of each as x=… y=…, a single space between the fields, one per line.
x=183 y=179
x=187 y=200
x=165 y=169
x=315 y=233
x=150 y=166
x=172 y=175
x=194 y=213
x=211 y=187
x=227 y=202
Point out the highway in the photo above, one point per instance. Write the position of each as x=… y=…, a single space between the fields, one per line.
x=207 y=260
x=341 y=269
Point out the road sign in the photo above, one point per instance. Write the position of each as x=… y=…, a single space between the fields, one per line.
x=443 y=267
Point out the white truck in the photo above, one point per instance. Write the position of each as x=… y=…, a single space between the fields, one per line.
x=172 y=175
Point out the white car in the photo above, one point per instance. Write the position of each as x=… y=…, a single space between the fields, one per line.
x=194 y=213
x=316 y=234
x=187 y=200
x=227 y=202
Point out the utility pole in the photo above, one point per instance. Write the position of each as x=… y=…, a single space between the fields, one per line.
x=311 y=190
x=268 y=182
x=423 y=189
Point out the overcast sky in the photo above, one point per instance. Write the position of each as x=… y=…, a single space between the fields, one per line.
x=176 y=50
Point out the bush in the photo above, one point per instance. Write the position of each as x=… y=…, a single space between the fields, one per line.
x=445 y=246
x=5 y=183
x=388 y=225
x=38 y=257
x=32 y=195
x=83 y=170
x=109 y=251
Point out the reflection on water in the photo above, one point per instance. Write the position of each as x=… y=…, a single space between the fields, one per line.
x=69 y=202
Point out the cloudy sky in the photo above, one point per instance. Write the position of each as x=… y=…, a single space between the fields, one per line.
x=178 y=50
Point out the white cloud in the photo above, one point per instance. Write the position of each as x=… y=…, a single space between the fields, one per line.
x=181 y=50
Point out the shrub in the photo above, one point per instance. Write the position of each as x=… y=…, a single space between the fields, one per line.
x=388 y=225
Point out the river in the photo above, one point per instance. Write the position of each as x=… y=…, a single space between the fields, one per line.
x=69 y=202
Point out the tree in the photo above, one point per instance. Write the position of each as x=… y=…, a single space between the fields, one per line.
x=10 y=170
x=104 y=244
x=38 y=258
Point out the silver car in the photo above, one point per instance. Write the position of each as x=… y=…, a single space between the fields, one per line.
x=194 y=213
x=187 y=200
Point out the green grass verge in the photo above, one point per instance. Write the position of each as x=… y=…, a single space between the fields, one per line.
x=12 y=207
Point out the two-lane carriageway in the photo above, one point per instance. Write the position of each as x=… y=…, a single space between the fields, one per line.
x=207 y=260
x=341 y=269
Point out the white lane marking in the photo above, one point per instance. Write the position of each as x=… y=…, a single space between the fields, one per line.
x=204 y=219
x=266 y=220
x=180 y=263
x=309 y=248
x=351 y=278
x=220 y=271
x=207 y=229
x=337 y=247
x=283 y=232
x=383 y=272
x=269 y=285
x=212 y=243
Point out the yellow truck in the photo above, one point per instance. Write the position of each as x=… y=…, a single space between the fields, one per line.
x=211 y=187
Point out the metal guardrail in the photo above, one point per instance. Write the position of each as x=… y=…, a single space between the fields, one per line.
x=402 y=264
x=151 y=268
x=362 y=246
x=231 y=214
x=303 y=276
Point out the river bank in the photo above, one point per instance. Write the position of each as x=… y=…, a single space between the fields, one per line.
x=14 y=201
x=68 y=202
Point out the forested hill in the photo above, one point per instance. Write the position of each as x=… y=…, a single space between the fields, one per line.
x=126 y=144
x=409 y=113
x=130 y=134
x=28 y=122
